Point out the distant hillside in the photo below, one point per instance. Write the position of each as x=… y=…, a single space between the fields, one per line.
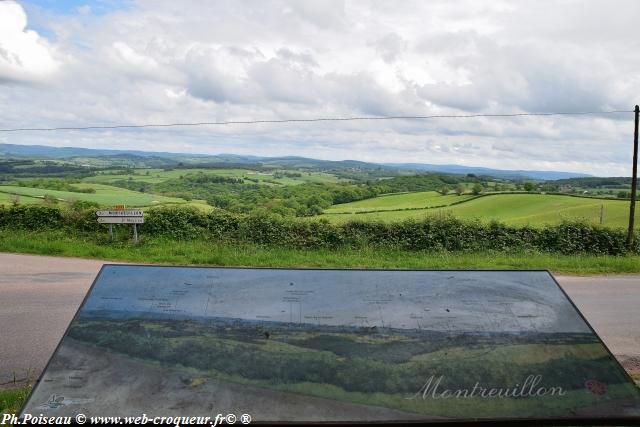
x=159 y=159
x=497 y=173
x=44 y=151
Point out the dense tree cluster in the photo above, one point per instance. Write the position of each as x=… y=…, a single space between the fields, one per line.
x=54 y=184
x=420 y=182
x=10 y=169
x=246 y=195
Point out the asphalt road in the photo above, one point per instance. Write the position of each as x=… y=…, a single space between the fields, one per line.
x=39 y=296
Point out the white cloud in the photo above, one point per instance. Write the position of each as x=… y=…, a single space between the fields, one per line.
x=389 y=46
x=24 y=55
x=166 y=61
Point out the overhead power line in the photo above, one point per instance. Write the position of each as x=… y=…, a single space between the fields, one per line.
x=321 y=119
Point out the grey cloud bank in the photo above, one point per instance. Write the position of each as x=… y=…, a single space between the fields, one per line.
x=162 y=61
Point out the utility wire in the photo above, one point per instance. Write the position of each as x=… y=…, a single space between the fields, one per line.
x=324 y=119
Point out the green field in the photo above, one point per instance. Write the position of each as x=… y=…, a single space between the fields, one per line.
x=105 y=195
x=154 y=176
x=7 y=199
x=423 y=199
x=514 y=209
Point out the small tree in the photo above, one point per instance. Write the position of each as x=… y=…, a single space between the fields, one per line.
x=477 y=189
x=15 y=199
x=444 y=190
x=460 y=190
x=528 y=186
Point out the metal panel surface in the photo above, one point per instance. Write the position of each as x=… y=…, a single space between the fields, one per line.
x=304 y=345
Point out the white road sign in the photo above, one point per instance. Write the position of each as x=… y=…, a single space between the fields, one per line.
x=120 y=212
x=121 y=220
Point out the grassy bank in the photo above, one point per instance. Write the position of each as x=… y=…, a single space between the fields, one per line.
x=207 y=252
x=11 y=399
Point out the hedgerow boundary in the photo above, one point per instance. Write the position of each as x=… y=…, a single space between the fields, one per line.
x=429 y=234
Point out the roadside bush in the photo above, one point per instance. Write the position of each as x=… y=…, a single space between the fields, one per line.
x=175 y=222
x=81 y=215
x=264 y=229
x=31 y=217
x=427 y=234
x=576 y=237
x=221 y=223
x=81 y=218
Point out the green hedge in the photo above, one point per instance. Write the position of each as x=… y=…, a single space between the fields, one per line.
x=31 y=217
x=431 y=233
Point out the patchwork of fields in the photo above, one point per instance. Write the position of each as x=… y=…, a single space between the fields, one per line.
x=154 y=176
x=148 y=187
x=109 y=191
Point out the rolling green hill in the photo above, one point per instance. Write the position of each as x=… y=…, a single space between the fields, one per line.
x=517 y=209
x=422 y=199
x=104 y=195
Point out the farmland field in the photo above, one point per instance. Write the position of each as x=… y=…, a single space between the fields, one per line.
x=6 y=199
x=422 y=199
x=154 y=176
x=515 y=209
x=104 y=195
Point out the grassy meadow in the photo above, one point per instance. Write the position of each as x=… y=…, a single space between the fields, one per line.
x=105 y=195
x=8 y=198
x=512 y=209
x=417 y=200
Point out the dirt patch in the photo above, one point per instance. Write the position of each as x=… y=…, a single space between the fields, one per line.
x=631 y=364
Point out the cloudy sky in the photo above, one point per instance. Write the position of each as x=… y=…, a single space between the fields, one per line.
x=77 y=63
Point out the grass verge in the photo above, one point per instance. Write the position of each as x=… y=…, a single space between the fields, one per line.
x=11 y=399
x=203 y=252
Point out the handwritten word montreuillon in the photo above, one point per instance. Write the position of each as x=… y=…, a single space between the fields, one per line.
x=529 y=388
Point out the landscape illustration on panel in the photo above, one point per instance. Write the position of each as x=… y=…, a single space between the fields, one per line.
x=332 y=345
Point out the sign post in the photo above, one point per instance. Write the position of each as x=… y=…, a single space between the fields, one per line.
x=119 y=215
x=634 y=179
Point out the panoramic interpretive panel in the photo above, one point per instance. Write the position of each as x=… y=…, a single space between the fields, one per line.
x=332 y=345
